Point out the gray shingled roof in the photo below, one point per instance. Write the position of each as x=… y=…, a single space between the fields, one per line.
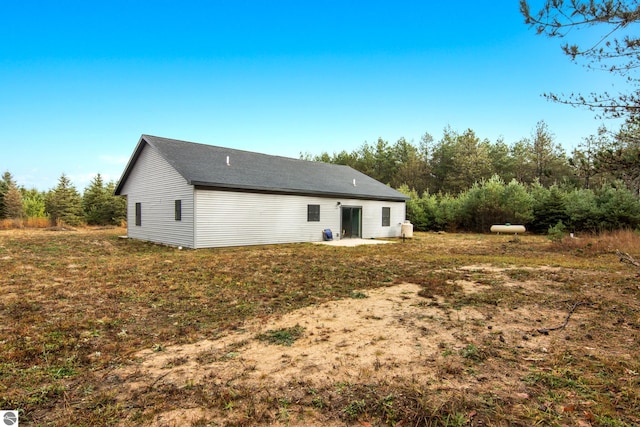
x=206 y=166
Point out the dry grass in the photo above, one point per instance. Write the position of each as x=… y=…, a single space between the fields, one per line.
x=623 y=240
x=37 y=222
x=76 y=306
x=8 y=224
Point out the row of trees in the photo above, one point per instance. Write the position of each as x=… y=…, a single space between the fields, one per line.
x=459 y=160
x=462 y=182
x=542 y=209
x=63 y=204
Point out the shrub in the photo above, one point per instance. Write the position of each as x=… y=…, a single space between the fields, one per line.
x=619 y=207
x=557 y=232
x=549 y=207
x=583 y=211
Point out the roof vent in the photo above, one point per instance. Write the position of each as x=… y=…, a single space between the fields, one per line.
x=354 y=182
x=228 y=163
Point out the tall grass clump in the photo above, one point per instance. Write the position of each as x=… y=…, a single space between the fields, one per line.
x=624 y=240
x=37 y=222
x=30 y=222
x=9 y=223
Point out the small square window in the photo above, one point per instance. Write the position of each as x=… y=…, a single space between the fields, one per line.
x=178 y=210
x=313 y=213
x=386 y=217
x=138 y=213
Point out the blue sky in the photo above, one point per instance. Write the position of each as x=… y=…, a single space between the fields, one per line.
x=80 y=81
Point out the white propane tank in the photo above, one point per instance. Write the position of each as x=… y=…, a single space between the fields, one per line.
x=406 y=230
x=508 y=228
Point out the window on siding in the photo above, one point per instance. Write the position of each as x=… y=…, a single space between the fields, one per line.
x=386 y=217
x=313 y=213
x=138 y=213
x=178 y=210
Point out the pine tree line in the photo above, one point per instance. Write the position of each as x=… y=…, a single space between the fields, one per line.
x=62 y=204
x=459 y=160
x=464 y=183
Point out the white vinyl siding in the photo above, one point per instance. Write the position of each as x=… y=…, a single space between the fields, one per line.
x=372 y=219
x=156 y=185
x=226 y=218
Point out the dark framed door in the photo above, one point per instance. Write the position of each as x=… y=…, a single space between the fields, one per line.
x=351 y=223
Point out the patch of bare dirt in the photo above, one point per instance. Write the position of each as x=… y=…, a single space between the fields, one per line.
x=343 y=339
x=392 y=333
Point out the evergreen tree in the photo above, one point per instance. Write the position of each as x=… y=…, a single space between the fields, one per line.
x=34 y=203
x=481 y=206
x=365 y=160
x=13 y=206
x=385 y=162
x=3 y=191
x=549 y=158
x=116 y=206
x=421 y=210
x=94 y=201
x=472 y=159
x=549 y=208
x=5 y=183
x=619 y=207
x=459 y=160
x=583 y=212
x=583 y=161
x=517 y=203
x=411 y=169
x=448 y=215
x=524 y=167
x=441 y=163
x=619 y=157
x=502 y=163
x=101 y=206
x=64 y=204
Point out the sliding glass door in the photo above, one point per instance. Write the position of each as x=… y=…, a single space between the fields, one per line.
x=351 y=222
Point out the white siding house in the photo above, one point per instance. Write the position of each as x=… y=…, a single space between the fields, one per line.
x=193 y=195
